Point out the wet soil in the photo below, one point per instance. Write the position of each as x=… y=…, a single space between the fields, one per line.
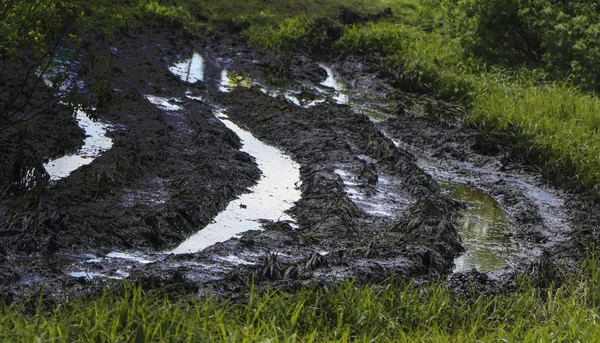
x=552 y=228
x=171 y=170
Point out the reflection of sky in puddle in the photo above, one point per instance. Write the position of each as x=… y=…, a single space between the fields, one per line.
x=165 y=104
x=483 y=230
x=236 y=260
x=381 y=201
x=118 y=275
x=231 y=80
x=275 y=193
x=130 y=257
x=190 y=70
x=340 y=96
x=94 y=144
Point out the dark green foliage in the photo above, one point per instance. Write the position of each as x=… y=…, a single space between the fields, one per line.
x=497 y=30
x=560 y=36
x=34 y=26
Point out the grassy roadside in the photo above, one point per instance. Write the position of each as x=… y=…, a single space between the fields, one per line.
x=394 y=311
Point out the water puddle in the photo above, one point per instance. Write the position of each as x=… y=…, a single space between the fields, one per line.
x=117 y=275
x=274 y=194
x=269 y=199
x=485 y=226
x=96 y=141
x=165 y=104
x=130 y=257
x=340 y=95
x=94 y=145
x=380 y=200
x=190 y=70
x=483 y=229
x=115 y=265
x=231 y=80
x=236 y=260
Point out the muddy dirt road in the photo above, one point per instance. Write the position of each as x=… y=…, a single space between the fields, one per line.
x=336 y=173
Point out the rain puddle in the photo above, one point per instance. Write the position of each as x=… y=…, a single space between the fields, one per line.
x=165 y=104
x=115 y=265
x=340 y=94
x=274 y=194
x=380 y=200
x=483 y=229
x=94 y=145
x=96 y=141
x=231 y=80
x=190 y=70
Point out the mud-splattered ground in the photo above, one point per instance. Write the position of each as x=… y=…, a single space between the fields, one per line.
x=373 y=202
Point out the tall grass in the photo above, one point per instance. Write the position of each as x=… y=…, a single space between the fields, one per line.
x=394 y=311
x=559 y=122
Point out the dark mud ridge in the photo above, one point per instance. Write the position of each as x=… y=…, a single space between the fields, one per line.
x=385 y=188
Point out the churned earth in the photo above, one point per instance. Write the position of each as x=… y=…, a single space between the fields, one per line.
x=389 y=183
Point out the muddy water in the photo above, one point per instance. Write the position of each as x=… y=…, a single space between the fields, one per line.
x=190 y=70
x=274 y=194
x=94 y=145
x=483 y=228
x=96 y=141
x=340 y=93
x=380 y=200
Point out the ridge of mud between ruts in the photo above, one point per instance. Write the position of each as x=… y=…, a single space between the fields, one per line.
x=167 y=175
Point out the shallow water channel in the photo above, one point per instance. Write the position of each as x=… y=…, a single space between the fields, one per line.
x=274 y=194
x=96 y=141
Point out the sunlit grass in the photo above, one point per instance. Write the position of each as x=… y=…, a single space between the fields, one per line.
x=394 y=311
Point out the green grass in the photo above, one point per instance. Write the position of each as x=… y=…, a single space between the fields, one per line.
x=394 y=311
x=560 y=123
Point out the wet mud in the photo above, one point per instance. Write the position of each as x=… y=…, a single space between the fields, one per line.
x=388 y=182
